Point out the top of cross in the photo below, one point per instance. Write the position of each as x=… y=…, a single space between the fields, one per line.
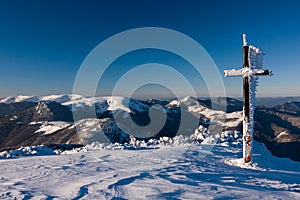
x=252 y=62
x=244 y=40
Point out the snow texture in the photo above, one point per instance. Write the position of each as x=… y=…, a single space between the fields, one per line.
x=189 y=171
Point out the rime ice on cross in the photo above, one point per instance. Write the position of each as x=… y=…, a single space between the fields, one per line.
x=252 y=68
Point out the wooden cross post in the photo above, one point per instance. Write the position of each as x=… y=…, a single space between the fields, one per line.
x=252 y=69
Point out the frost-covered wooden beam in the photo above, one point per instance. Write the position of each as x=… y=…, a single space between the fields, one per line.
x=252 y=69
x=247 y=72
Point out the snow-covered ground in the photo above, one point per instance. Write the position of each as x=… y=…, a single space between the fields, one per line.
x=177 y=171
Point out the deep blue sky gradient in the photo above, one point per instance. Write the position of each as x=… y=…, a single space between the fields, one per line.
x=43 y=42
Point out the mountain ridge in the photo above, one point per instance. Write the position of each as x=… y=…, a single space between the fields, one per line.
x=25 y=123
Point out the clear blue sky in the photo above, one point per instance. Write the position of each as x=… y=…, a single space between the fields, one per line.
x=43 y=43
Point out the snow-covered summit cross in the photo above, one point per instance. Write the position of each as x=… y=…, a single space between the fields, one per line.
x=252 y=68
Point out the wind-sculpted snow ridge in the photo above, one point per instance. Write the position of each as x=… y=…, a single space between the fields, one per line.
x=201 y=136
x=28 y=151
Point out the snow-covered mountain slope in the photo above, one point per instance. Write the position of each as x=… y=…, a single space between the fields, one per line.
x=190 y=171
x=226 y=120
x=58 y=98
x=80 y=102
x=99 y=130
x=47 y=128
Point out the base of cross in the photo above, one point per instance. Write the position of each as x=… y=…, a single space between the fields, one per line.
x=247 y=140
